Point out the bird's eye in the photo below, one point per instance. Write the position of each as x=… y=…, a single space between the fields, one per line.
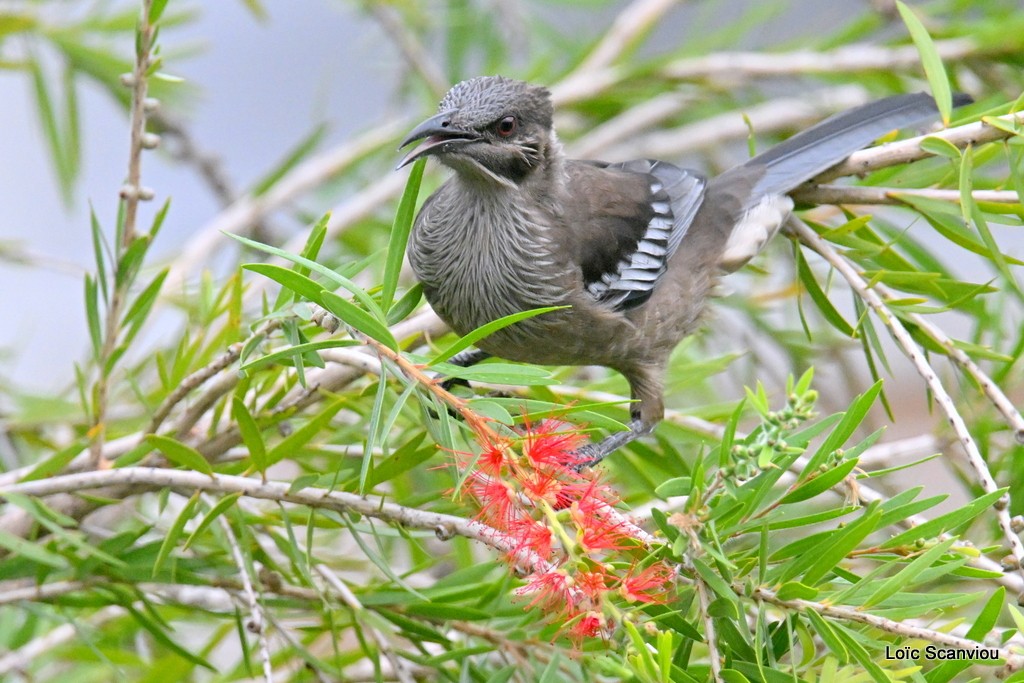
x=506 y=126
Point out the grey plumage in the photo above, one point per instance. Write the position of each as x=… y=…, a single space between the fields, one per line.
x=632 y=248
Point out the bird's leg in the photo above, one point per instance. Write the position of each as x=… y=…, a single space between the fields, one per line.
x=593 y=453
x=646 y=388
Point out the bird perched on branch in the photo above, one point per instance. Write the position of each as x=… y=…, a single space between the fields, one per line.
x=632 y=249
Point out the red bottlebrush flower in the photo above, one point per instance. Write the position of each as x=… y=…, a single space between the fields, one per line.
x=549 y=444
x=498 y=504
x=649 y=585
x=492 y=460
x=596 y=532
x=531 y=535
x=589 y=626
x=552 y=590
x=593 y=583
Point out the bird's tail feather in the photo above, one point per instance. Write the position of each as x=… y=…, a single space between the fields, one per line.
x=824 y=145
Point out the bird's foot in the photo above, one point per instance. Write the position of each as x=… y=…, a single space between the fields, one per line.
x=593 y=454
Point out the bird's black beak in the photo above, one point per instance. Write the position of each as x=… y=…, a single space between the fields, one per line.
x=439 y=134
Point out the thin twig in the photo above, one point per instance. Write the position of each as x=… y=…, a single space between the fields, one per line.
x=250 y=209
x=370 y=506
x=779 y=114
x=131 y=193
x=349 y=599
x=865 y=194
x=710 y=637
x=911 y=350
x=256 y=623
x=737 y=67
x=19 y=660
x=906 y=151
x=960 y=358
x=1014 y=662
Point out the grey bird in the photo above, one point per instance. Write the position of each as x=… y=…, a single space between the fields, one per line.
x=633 y=249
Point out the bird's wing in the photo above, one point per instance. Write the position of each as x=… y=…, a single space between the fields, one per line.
x=629 y=220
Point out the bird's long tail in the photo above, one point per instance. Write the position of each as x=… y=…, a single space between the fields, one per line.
x=827 y=143
x=765 y=207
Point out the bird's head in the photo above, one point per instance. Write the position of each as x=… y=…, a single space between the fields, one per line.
x=490 y=127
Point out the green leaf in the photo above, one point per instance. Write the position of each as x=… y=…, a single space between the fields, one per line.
x=490 y=328
x=180 y=454
x=290 y=279
x=291 y=443
x=852 y=419
x=400 y=234
x=794 y=590
x=820 y=482
x=821 y=300
x=346 y=311
x=251 y=434
x=500 y=373
x=406 y=305
x=337 y=278
x=174 y=533
x=677 y=486
x=92 y=314
x=828 y=635
x=906 y=577
x=143 y=304
x=31 y=550
x=99 y=252
x=933 y=68
x=158 y=633
x=943 y=523
x=296 y=350
x=216 y=511
x=156 y=10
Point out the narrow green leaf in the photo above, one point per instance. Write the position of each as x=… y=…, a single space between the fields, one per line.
x=349 y=313
x=400 y=234
x=405 y=305
x=180 y=454
x=143 y=304
x=843 y=431
x=821 y=300
x=34 y=551
x=156 y=10
x=501 y=373
x=794 y=590
x=840 y=545
x=51 y=132
x=677 y=486
x=906 y=577
x=828 y=635
x=490 y=328
x=297 y=350
x=943 y=523
x=174 y=533
x=99 y=252
x=216 y=511
x=934 y=71
x=92 y=314
x=337 y=278
x=158 y=633
x=819 y=483
x=288 y=278
x=252 y=437
x=857 y=651
x=291 y=443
